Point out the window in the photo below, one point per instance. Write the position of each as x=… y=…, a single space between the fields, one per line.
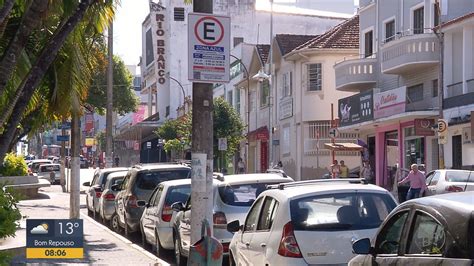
x=264 y=93
x=314 y=77
x=418 y=20
x=436 y=13
x=388 y=239
x=268 y=214
x=287 y=89
x=461 y=176
x=435 y=88
x=230 y=98
x=177 y=194
x=179 y=14
x=368 y=43
x=251 y=221
x=415 y=93
x=428 y=236
x=389 y=31
x=238 y=40
x=148 y=180
x=155 y=197
x=149 y=56
x=241 y=195
x=434 y=179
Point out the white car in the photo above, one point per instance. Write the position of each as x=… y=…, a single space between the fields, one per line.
x=155 y=225
x=233 y=196
x=309 y=222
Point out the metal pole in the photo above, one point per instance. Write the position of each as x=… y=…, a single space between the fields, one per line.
x=440 y=36
x=202 y=147
x=333 y=155
x=270 y=106
x=182 y=89
x=110 y=81
x=62 y=178
x=74 y=200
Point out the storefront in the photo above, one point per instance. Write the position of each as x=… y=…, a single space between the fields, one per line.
x=258 y=150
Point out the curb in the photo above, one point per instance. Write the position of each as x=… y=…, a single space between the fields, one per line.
x=126 y=241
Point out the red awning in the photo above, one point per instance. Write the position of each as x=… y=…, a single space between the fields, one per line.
x=260 y=133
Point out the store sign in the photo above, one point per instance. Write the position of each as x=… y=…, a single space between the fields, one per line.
x=356 y=108
x=390 y=102
x=160 y=43
x=423 y=127
x=286 y=108
x=89 y=142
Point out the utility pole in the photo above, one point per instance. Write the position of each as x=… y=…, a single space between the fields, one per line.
x=270 y=92
x=110 y=96
x=62 y=178
x=202 y=147
x=74 y=200
x=440 y=36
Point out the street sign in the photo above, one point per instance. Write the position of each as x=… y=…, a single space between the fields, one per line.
x=333 y=133
x=442 y=131
x=62 y=138
x=148 y=145
x=208 y=48
x=222 y=144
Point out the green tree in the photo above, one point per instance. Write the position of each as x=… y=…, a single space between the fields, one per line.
x=9 y=215
x=124 y=101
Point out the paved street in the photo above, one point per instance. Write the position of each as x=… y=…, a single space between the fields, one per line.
x=102 y=246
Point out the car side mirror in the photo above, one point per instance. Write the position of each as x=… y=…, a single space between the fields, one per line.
x=177 y=206
x=86 y=184
x=141 y=203
x=115 y=187
x=362 y=247
x=233 y=226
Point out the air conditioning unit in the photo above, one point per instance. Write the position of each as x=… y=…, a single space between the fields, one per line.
x=466 y=135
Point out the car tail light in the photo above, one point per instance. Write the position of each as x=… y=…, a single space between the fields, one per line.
x=108 y=196
x=225 y=247
x=454 y=189
x=98 y=191
x=132 y=201
x=166 y=213
x=288 y=245
x=219 y=218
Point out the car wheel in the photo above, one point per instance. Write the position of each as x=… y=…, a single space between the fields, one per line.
x=114 y=223
x=179 y=259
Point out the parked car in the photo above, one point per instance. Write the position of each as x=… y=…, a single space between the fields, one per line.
x=436 y=230
x=139 y=184
x=107 y=199
x=96 y=187
x=233 y=196
x=51 y=172
x=155 y=223
x=445 y=181
x=83 y=162
x=309 y=222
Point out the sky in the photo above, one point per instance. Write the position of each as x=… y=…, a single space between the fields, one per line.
x=127 y=29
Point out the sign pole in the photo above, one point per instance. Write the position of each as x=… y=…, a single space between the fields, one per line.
x=202 y=149
x=333 y=155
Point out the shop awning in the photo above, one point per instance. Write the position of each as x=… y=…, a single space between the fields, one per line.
x=346 y=146
x=260 y=133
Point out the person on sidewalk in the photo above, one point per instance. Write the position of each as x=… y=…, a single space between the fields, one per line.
x=240 y=166
x=344 y=170
x=417 y=182
x=334 y=169
x=366 y=172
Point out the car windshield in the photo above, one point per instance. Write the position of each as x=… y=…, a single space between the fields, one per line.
x=459 y=176
x=243 y=194
x=148 y=180
x=49 y=168
x=342 y=211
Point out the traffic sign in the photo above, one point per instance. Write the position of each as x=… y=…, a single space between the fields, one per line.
x=62 y=138
x=442 y=131
x=333 y=133
x=222 y=144
x=209 y=48
x=148 y=144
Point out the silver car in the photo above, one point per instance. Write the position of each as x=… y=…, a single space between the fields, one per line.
x=233 y=196
x=155 y=225
x=50 y=172
x=445 y=181
x=107 y=199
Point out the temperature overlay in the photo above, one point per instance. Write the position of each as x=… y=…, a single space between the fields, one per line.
x=54 y=239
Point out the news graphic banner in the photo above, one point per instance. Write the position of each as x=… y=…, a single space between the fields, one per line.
x=54 y=239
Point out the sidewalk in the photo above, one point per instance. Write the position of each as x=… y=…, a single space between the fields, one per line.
x=101 y=246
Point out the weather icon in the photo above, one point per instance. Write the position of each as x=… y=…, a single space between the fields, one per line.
x=40 y=229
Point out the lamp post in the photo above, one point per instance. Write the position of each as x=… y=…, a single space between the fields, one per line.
x=261 y=76
x=248 y=108
x=179 y=84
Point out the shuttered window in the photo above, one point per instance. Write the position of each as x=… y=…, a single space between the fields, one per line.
x=314 y=77
x=418 y=20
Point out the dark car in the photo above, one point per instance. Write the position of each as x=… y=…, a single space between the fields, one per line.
x=437 y=230
x=139 y=184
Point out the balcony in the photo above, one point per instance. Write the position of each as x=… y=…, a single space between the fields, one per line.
x=409 y=52
x=455 y=96
x=355 y=75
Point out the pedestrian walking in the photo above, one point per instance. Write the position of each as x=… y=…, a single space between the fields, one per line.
x=117 y=161
x=334 y=169
x=366 y=172
x=417 y=183
x=240 y=166
x=344 y=170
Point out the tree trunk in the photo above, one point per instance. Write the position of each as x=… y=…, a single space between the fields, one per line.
x=31 y=20
x=5 y=10
x=34 y=77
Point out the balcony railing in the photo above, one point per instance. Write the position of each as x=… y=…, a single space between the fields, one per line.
x=354 y=74
x=470 y=85
x=408 y=52
x=454 y=89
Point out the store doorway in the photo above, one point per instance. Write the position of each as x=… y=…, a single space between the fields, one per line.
x=457 y=152
x=392 y=160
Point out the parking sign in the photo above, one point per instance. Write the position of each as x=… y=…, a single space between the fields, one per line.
x=209 y=48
